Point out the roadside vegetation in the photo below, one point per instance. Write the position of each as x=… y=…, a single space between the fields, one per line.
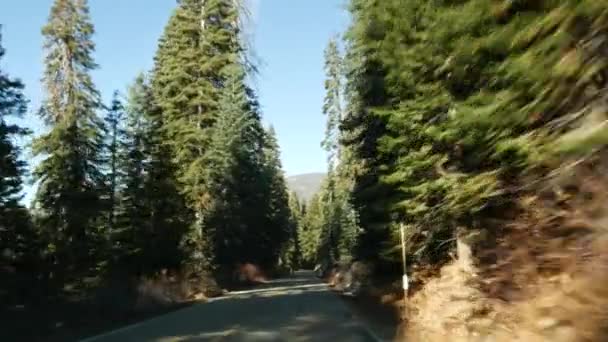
x=479 y=125
x=145 y=202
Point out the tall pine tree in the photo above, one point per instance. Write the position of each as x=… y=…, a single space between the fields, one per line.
x=292 y=251
x=213 y=127
x=364 y=89
x=222 y=223
x=277 y=227
x=332 y=107
x=113 y=143
x=16 y=240
x=163 y=213
x=133 y=214
x=339 y=228
x=449 y=103
x=200 y=41
x=70 y=179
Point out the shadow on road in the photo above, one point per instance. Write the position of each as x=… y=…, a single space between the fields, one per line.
x=299 y=308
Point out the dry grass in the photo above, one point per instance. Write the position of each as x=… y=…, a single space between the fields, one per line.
x=543 y=281
x=249 y=273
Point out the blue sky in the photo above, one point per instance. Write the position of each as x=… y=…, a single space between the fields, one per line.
x=288 y=37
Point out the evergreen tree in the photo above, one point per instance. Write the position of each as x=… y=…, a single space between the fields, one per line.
x=339 y=228
x=222 y=222
x=362 y=128
x=329 y=222
x=158 y=244
x=292 y=253
x=278 y=225
x=332 y=106
x=311 y=230
x=132 y=209
x=70 y=180
x=449 y=103
x=227 y=168
x=200 y=41
x=196 y=57
x=114 y=143
x=16 y=237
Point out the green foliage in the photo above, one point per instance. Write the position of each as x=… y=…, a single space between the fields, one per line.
x=133 y=212
x=310 y=230
x=223 y=220
x=70 y=181
x=181 y=177
x=331 y=228
x=361 y=130
x=200 y=43
x=17 y=240
x=450 y=102
x=278 y=230
x=291 y=255
x=332 y=106
x=186 y=89
x=114 y=137
x=227 y=167
x=151 y=213
x=12 y=103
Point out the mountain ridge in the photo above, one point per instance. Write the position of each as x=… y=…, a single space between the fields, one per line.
x=305 y=185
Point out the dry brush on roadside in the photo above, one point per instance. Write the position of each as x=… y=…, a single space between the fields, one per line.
x=544 y=280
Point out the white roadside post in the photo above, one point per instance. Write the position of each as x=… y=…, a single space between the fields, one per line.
x=405 y=279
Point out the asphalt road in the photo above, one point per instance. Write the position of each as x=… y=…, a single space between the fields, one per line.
x=299 y=308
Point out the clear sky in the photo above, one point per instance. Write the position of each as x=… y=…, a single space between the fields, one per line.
x=289 y=37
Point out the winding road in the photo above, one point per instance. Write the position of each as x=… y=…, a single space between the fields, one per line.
x=298 y=308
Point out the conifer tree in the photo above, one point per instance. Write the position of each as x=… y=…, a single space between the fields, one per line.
x=12 y=104
x=449 y=103
x=114 y=143
x=133 y=220
x=292 y=250
x=159 y=242
x=311 y=230
x=221 y=222
x=278 y=224
x=16 y=237
x=332 y=107
x=340 y=229
x=362 y=128
x=226 y=169
x=132 y=236
x=197 y=53
x=70 y=179
x=200 y=41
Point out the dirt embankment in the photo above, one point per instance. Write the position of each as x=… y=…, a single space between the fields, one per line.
x=544 y=280
x=539 y=275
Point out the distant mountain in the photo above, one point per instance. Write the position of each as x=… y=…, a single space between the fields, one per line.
x=305 y=185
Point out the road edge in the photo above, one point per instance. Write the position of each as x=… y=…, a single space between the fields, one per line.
x=370 y=332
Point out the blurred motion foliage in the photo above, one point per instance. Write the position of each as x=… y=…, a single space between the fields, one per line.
x=455 y=106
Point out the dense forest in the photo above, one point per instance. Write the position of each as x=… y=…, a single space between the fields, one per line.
x=442 y=114
x=177 y=174
x=474 y=125
x=450 y=118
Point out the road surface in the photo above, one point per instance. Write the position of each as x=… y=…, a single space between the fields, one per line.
x=299 y=308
